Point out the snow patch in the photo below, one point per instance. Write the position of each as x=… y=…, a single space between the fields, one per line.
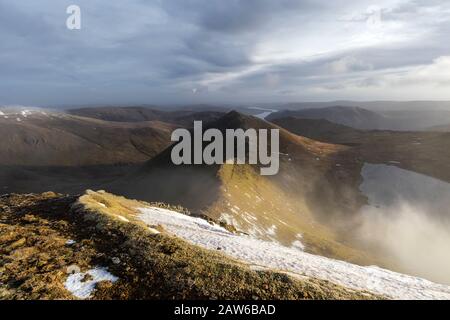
x=272 y=230
x=170 y=217
x=122 y=218
x=256 y=232
x=153 y=230
x=83 y=289
x=275 y=256
x=234 y=210
x=297 y=244
x=248 y=216
x=228 y=219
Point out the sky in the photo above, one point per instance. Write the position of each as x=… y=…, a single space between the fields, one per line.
x=223 y=51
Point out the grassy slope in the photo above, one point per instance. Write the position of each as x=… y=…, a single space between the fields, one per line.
x=66 y=140
x=302 y=200
x=258 y=206
x=34 y=256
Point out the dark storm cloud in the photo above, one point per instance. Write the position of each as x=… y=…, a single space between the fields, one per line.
x=201 y=50
x=236 y=16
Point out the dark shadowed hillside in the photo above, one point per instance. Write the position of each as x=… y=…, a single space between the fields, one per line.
x=317 y=129
x=419 y=151
x=183 y=117
x=355 y=117
x=65 y=140
x=46 y=150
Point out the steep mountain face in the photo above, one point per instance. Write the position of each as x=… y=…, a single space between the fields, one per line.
x=46 y=150
x=183 y=117
x=290 y=207
x=354 y=117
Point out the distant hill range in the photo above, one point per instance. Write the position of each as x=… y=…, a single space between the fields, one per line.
x=317 y=129
x=350 y=116
x=361 y=118
x=377 y=106
x=69 y=152
x=425 y=152
x=43 y=139
x=183 y=117
x=389 y=115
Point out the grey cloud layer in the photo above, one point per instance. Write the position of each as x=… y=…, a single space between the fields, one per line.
x=173 y=51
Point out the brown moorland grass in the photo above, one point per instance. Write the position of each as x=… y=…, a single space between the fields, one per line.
x=34 y=230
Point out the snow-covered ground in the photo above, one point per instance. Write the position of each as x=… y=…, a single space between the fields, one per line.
x=82 y=284
x=262 y=254
x=20 y=113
